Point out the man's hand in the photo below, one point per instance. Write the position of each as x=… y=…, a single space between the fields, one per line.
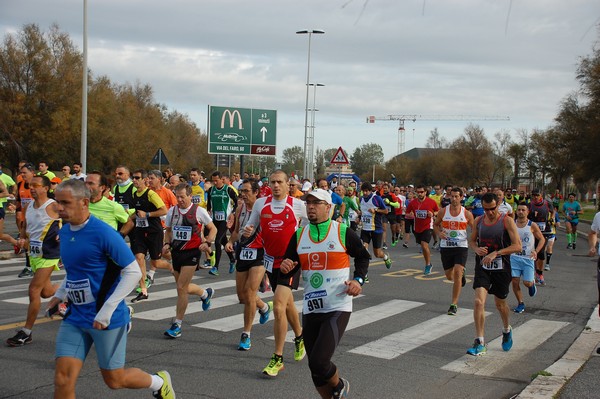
x=99 y=326
x=353 y=287
x=287 y=265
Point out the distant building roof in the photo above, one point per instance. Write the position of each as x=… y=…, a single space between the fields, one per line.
x=417 y=153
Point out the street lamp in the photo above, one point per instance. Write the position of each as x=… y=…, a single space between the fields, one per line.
x=308 y=170
x=310 y=140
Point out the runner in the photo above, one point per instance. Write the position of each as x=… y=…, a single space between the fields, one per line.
x=278 y=217
x=250 y=269
x=423 y=210
x=409 y=219
x=185 y=223
x=40 y=235
x=451 y=224
x=392 y=203
x=322 y=251
x=572 y=209
x=493 y=239
x=24 y=198
x=542 y=213
x=148 y=232
x=372 y=209
x=101 y=271
x=221 y=205
x=105 y=209
x=522 y=263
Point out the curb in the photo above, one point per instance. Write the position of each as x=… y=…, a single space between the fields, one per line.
x=564 y=368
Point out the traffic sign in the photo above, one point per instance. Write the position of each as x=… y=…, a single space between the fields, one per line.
x=241 y=131
x=339 y=158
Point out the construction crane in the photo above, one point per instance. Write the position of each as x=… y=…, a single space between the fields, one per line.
x=413 y=118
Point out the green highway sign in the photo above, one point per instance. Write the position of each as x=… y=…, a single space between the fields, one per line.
x=241 y=131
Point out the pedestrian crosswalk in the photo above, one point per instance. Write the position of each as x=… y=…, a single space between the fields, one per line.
x=421 y=329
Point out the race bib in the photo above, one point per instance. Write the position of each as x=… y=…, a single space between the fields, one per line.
x=248 y=254
x=269 y=260
x=25 y=201
x=367 y=219
x=389 y=208
x=421 y=214
x=495 y=265
x=219 y=216
x=449 y=243
x=541 y=225
x=182 y=233
x=35 y=249
x=80 y=292
x=315 y=301
x=196 y=199
x=125 y=206
x=141 y=222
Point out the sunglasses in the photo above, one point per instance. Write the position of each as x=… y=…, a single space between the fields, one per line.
x=136 y=177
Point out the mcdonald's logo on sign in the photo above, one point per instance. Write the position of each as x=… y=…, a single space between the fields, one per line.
x=231 y=116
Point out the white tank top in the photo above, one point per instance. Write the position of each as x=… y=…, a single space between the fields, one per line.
x=455 y=228
x=527 y=240
x=38 y=223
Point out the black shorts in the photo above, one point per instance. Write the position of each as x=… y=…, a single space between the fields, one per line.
x=368 y=236
x=249 y=258
x=409 y=225
x=496 y=283
x=391 y=218
x=2 y=212
x=276 y=278
x=190 y=257
x=147 y=241
x=454 y=256
x=399 y=218
x=424 y=236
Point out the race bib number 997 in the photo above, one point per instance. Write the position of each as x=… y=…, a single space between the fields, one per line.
x=80 y=292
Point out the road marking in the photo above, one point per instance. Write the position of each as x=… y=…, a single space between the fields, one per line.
x=394 y=345
x=527 y=337
x=22 y=323
x=4 y=279
x=11 y=261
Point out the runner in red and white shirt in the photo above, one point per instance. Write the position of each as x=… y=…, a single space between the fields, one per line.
x=423 y=209
x=278 y=217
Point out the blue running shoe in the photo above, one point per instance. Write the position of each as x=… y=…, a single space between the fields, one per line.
x=214 y=271
x=231 y=267
x=174 y=331
x=507 y=340
x=245 y=343
x=264 y=317
x=206 y=302
x=520 y=307
x=532 y=290
x=477 y=349
x=427 y=270
x=343 y=393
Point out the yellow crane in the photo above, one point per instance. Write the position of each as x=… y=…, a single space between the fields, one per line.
x=416 y=117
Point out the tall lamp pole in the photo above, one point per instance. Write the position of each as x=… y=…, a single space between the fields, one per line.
x=308 y=169
x=84 y=93
x=310 y=142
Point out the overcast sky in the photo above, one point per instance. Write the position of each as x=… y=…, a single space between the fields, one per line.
x=377 y=57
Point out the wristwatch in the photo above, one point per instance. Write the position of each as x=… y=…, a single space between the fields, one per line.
x=359 y=280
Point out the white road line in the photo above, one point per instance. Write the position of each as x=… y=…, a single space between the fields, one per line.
x=10 y=262
x=368 y=315
x=4 y=279
x=526 y=338
x=397 y=344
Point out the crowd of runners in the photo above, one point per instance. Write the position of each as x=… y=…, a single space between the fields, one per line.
x=111 y=234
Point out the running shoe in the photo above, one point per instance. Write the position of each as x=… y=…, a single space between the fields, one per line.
x=140 y=297
x=174 y=331
x=385 y=245
x=20 y=339
x=149 y=281
x=26 y=272
x=345 y=390
x=231 y=267
x=463 y=280
x=206 y=265
x=507 y=340
x=547 y=267
x=299 y=351
x=206 y=302
x=264 y=317
x=541 y=280
x=569 y=246
x=388 y=262
x=520 y=307
x=366 y=279
x=245 y=343
x=166 y=391
x=394 y=242
x=214 y=271
x=537 y=278
x=427 y=270
x=212 y=260
x=477 y=349
x=405 y=244
x=452 y=310
x=532 y=290
x=574 y=245
x=275 y=366
x=130 y=324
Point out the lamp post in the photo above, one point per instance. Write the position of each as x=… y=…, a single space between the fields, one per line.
x=308 y=170
x=310 y=140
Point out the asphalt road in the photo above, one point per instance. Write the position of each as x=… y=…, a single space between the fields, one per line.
x=401 y=343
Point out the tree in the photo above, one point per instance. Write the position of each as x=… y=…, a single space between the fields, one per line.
x=436 y=141
x=365 y=157
x=501 y=145
x=473 y=157
x=293 y=159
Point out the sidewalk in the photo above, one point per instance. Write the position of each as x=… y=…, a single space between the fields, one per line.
x=575 y=375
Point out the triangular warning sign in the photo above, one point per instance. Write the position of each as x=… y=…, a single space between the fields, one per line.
x=339 y=157
x=159 y=158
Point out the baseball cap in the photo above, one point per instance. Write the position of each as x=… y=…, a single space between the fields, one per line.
x=319 y=193
x=535 y=191
x=56 y=180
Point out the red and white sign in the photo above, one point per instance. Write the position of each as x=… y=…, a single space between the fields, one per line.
x=339 y=158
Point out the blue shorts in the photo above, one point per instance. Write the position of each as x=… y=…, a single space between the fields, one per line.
x=75 y=342
x=521 y=266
